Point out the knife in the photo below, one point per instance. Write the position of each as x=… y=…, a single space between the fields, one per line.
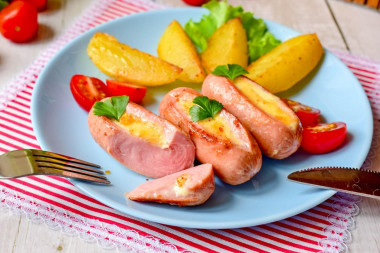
x=359 y=182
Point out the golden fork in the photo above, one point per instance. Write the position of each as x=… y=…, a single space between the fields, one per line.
x=27 y=162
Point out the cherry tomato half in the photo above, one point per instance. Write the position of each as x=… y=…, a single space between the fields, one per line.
x=307 y=115
x=18 y=21
x=324 y=137
x=39 y=4
x=87 y=90
x=136 y=93
x=195 y=2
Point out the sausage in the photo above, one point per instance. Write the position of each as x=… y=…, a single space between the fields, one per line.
x=274 y=125
x=143 y=142
x=189 y=187
x=222 y=141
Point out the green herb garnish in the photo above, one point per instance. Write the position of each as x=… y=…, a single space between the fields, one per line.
x=112 y=108
x=204 y=108
x=230 y=71
x=260 y=40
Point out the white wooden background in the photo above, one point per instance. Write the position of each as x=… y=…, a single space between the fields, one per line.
x=339 y=25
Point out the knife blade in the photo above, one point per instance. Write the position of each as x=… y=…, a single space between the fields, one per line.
x=359 y=182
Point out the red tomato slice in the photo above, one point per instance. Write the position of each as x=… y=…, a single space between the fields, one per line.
x=18 y=21
x=324 y=137
x=136 y=93
x=87 y=90
x=307 y=115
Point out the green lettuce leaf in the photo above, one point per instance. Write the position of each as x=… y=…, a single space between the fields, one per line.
x=260 y=40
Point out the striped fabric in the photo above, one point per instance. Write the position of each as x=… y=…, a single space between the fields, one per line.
x=58 y=204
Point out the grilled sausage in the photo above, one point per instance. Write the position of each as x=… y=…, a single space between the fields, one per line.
x=189 y=187
x=274 y=125
x=222 y=141
x=143 y=141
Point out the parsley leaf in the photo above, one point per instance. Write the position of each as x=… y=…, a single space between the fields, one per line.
x=204 y=108
x=112 y=108
x=231 y=71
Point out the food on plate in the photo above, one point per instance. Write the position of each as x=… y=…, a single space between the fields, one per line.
x=227 y=45
x=274 y=125
x=230 y=71
x=308 y=115
x=324 y=137
x=124 y=63
x=139 y=139
x=188 y=187
x=220 y=139
x=281 y=68
x=136 y=93
x=19 y=21
x=260 y=40
x=176 y=47
x=87 y=90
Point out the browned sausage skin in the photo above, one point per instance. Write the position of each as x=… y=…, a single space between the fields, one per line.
x=143 y=142
x=223 y=141
x=274 y=125
x=189 y=187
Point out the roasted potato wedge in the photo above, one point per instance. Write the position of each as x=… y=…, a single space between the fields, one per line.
x=124 y=63
x=227 y=45
x=288 y=63
x=177 y=48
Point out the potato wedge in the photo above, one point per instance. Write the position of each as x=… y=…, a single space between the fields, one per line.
x=287 y=64
x=177 y=48
x=124 y=63
x=227 y=45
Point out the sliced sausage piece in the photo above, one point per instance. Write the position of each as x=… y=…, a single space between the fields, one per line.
x=274 y=125
x=143 y=141
x=189 y=187
x=222 y=141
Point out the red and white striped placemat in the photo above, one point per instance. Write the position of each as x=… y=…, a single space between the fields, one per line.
x=57 y=203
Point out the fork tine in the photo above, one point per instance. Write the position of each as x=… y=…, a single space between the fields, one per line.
x=66 y=163
x=71 y=174
x=64 y=168
x=41 y=153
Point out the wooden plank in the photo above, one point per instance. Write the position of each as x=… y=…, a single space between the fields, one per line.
x=36 y=238
x=9 y=231
x=366 y=234
x=52 y=23
x=360 y=27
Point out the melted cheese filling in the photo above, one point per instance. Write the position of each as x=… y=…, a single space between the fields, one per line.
x=179 y=187
x=265 y=101
x=217 y=126
x=147 y=130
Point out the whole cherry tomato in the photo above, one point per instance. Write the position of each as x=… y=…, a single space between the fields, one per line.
x=18 y=21
x=307 y=115
x=87 y=90
x=39 y=4
x=195 y=2
x=324 y=137
x=136 y=93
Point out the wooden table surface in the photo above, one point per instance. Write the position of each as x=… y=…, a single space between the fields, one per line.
x=339 y=24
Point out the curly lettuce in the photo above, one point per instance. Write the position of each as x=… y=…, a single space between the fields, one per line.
x=260 y=40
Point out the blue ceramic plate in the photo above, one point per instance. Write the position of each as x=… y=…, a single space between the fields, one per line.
x=61 y=126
